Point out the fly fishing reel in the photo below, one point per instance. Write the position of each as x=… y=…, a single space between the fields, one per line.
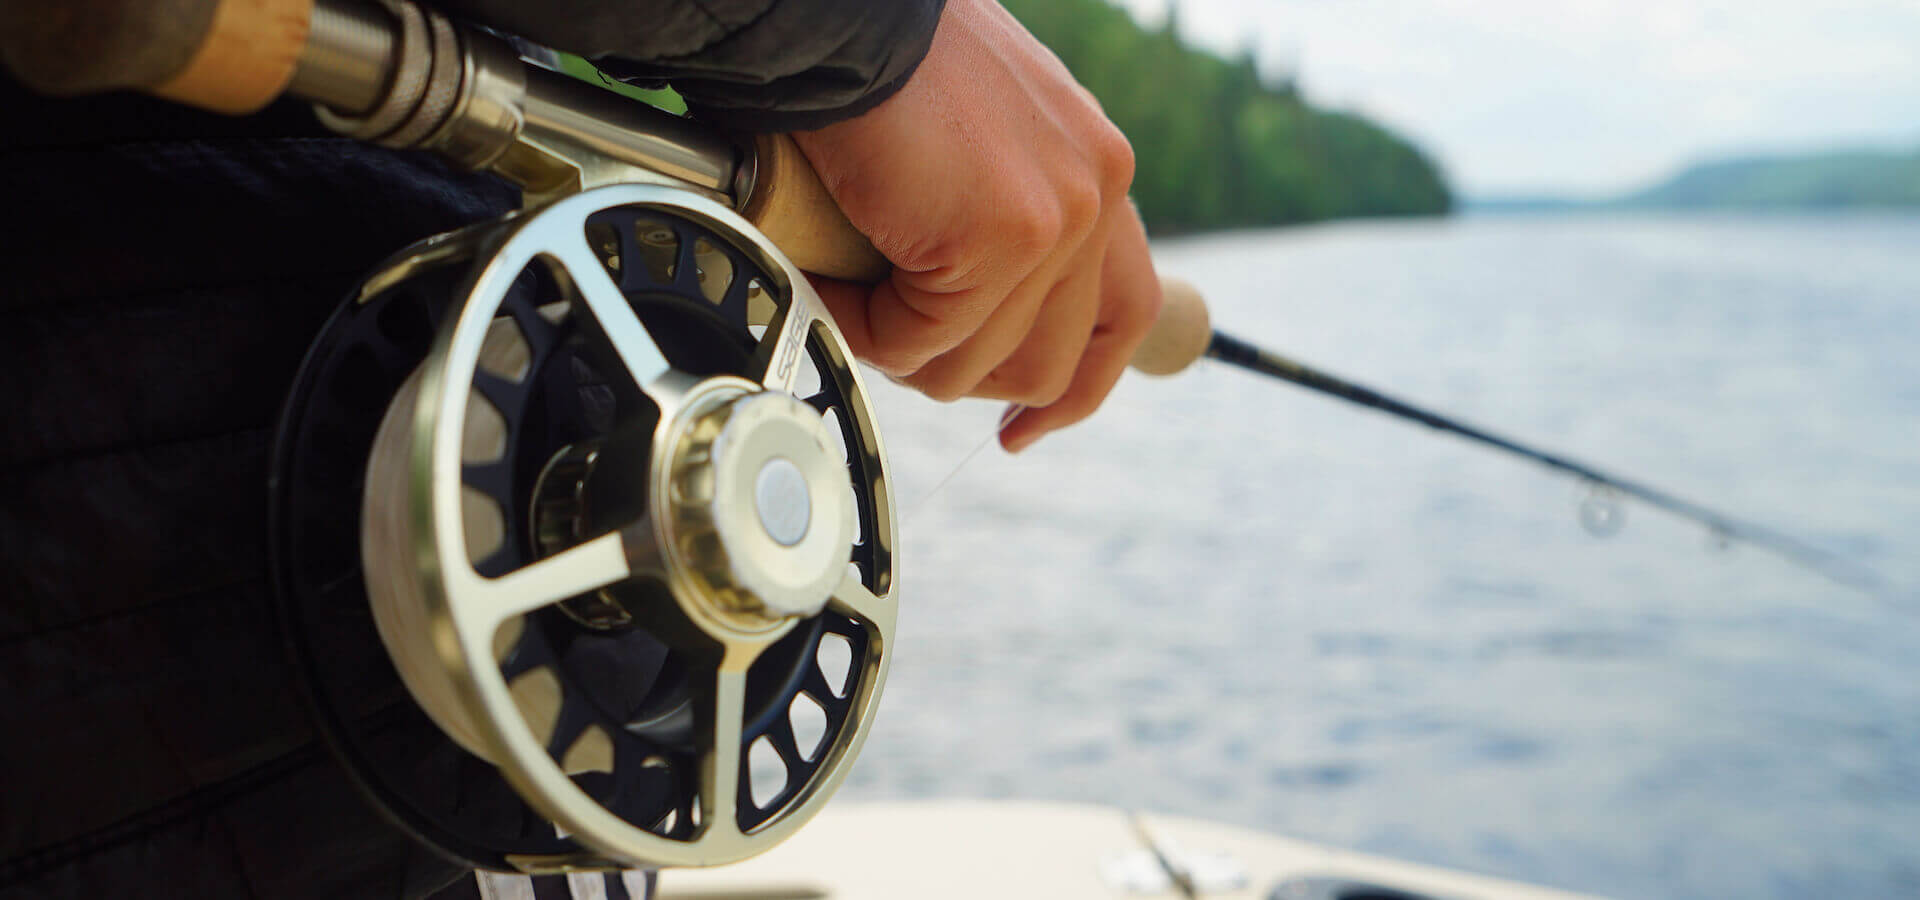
x=584 y=539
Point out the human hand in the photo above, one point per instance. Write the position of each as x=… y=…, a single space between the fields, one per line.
x=998 y=189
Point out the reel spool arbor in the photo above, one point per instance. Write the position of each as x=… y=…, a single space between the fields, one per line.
x=603 y=482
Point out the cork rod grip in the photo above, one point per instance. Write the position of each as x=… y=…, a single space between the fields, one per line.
x=235 y=56
x=792 y=208
x=230 y=56
x=1180 y=335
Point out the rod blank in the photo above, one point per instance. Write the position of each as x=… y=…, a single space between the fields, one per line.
x=1234 y=351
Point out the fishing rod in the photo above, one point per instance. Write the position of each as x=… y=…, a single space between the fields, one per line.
x=558 y=475
x=1186 y=322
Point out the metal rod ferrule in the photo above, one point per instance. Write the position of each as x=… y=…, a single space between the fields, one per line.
x=629 y=131
x=348 y=60
x=477 y=105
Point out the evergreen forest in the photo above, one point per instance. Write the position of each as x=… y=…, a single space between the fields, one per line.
x=1218 y=146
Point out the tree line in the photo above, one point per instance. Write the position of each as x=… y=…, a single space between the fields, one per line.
x=1832 y=180
x=1216 y=146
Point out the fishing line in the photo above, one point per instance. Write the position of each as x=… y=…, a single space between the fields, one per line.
x=1007 y=418
x=1600 y=513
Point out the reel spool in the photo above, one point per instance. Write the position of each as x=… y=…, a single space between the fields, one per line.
x=600 y=487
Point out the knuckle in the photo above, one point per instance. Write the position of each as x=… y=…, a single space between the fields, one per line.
x=1036 y=386
x=1050 y=389
x=1032 y=227
x=1113 y=155
x=938 y=389
x=1081 y=200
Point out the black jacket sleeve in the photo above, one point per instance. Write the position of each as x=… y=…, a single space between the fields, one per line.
x=752 y=65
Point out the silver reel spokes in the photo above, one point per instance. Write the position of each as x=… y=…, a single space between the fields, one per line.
x=754 y=535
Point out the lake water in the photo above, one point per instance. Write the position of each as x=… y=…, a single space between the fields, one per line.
x=1229 y=598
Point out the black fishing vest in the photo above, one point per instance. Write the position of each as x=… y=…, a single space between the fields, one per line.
x=161 y=275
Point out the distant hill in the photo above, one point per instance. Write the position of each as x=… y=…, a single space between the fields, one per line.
x=1525 y=203
x=1816 y=181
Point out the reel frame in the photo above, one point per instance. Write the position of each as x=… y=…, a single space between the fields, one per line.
x=443 y=640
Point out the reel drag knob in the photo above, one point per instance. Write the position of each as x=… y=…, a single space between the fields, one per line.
x=761 y=510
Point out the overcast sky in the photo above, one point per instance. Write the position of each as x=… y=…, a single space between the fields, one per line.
x=1589 y=96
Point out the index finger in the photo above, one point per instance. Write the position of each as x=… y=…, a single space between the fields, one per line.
x=1127 y=312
